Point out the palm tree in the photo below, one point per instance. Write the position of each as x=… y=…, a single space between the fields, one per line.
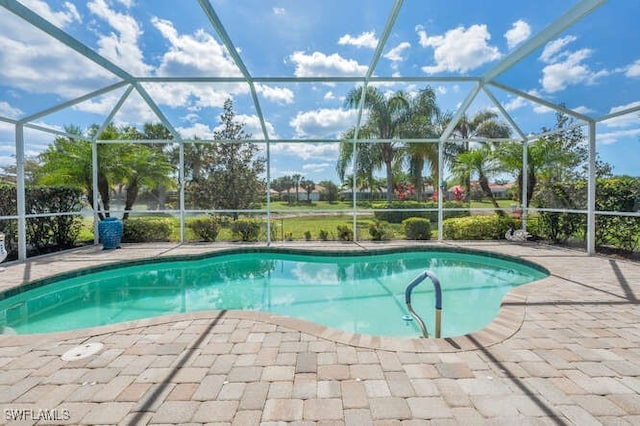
x=481 y=162
x=387 y=114
x=510 y=157
x=308 y=185
x=287 y=183
x=484 y=124
x=368 y=159
x=146 y=167
x=425 y=122
x=68 y=162
x=296 y=182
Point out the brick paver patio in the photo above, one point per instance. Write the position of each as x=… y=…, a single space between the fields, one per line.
x=564 y=350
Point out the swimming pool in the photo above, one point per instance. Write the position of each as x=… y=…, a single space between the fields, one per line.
x=359 y=292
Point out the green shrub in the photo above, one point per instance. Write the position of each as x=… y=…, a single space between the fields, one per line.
x=246 y=229
x=399 y=216
x=417 y=228
x=142 y=230
x=379 y=231
x=556 y=226
x=206 y=228
x=288 y=236
x=477 y=227
x=345 y=233
x=621 y=194
x=43 y=233
x=307 y=235
x=560 y=227
x=323 y=235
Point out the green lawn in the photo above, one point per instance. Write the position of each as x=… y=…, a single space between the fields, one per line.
x=293 y=222
x=280 y=206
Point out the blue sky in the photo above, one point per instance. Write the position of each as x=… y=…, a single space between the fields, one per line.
x=593 y=67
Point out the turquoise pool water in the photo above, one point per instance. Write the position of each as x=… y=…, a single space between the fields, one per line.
x=355 y=293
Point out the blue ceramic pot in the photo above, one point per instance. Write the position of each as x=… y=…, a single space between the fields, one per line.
x=110 y=233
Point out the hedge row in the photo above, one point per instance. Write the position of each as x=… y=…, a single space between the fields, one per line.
x=477 y=227
x=142 y=230
x=405 y=212
x=43 y=233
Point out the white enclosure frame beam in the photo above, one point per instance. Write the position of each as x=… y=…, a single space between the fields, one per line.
x=504 y=112
x=591 y=196
x=393 y=15
x=541 y=101
x=54 y=132
x=525 y=184
x=443 y=138
x=625 y=111
x=73 y=102
x=233 y=52
x=20 y=192
x=8 y=120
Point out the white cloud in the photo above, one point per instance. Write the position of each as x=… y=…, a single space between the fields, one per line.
x=6 y=110
x=572 y=70
x=199 y=130
x=367 y=39
x=582 y=109
x=121 y=46
x=318 y=64
x=279 y=11
x=193 y=55
x=203 y=131
x=515 y=103
x=395 y=54
x=608 y=138
x=61 y=18
x=553 y=49
x=322 y=123
x=519 y=32
x=191 y=118
x=329 y=96
x=308 y=151
x=565 y=67
x=541 y=109
x=423 y=40
x=317 y=167
x=633 y=70
x=275 y=94
x=459 y=49
x=135 y=112
x=126 y=3
x=252 y=126
x=623 y=120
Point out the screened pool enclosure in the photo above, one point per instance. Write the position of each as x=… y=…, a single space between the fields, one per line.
x=256 y=108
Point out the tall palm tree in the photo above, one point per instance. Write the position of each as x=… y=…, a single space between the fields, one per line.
x=386 y=115
x=424 y=122
x=296 y=183
x=483 y=124
x=482 y=163
x=146 y=167
x=510 y=157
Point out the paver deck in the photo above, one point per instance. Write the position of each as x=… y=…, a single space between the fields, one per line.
x=563 y=350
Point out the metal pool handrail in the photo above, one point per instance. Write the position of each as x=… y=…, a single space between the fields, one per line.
x=436 y=286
